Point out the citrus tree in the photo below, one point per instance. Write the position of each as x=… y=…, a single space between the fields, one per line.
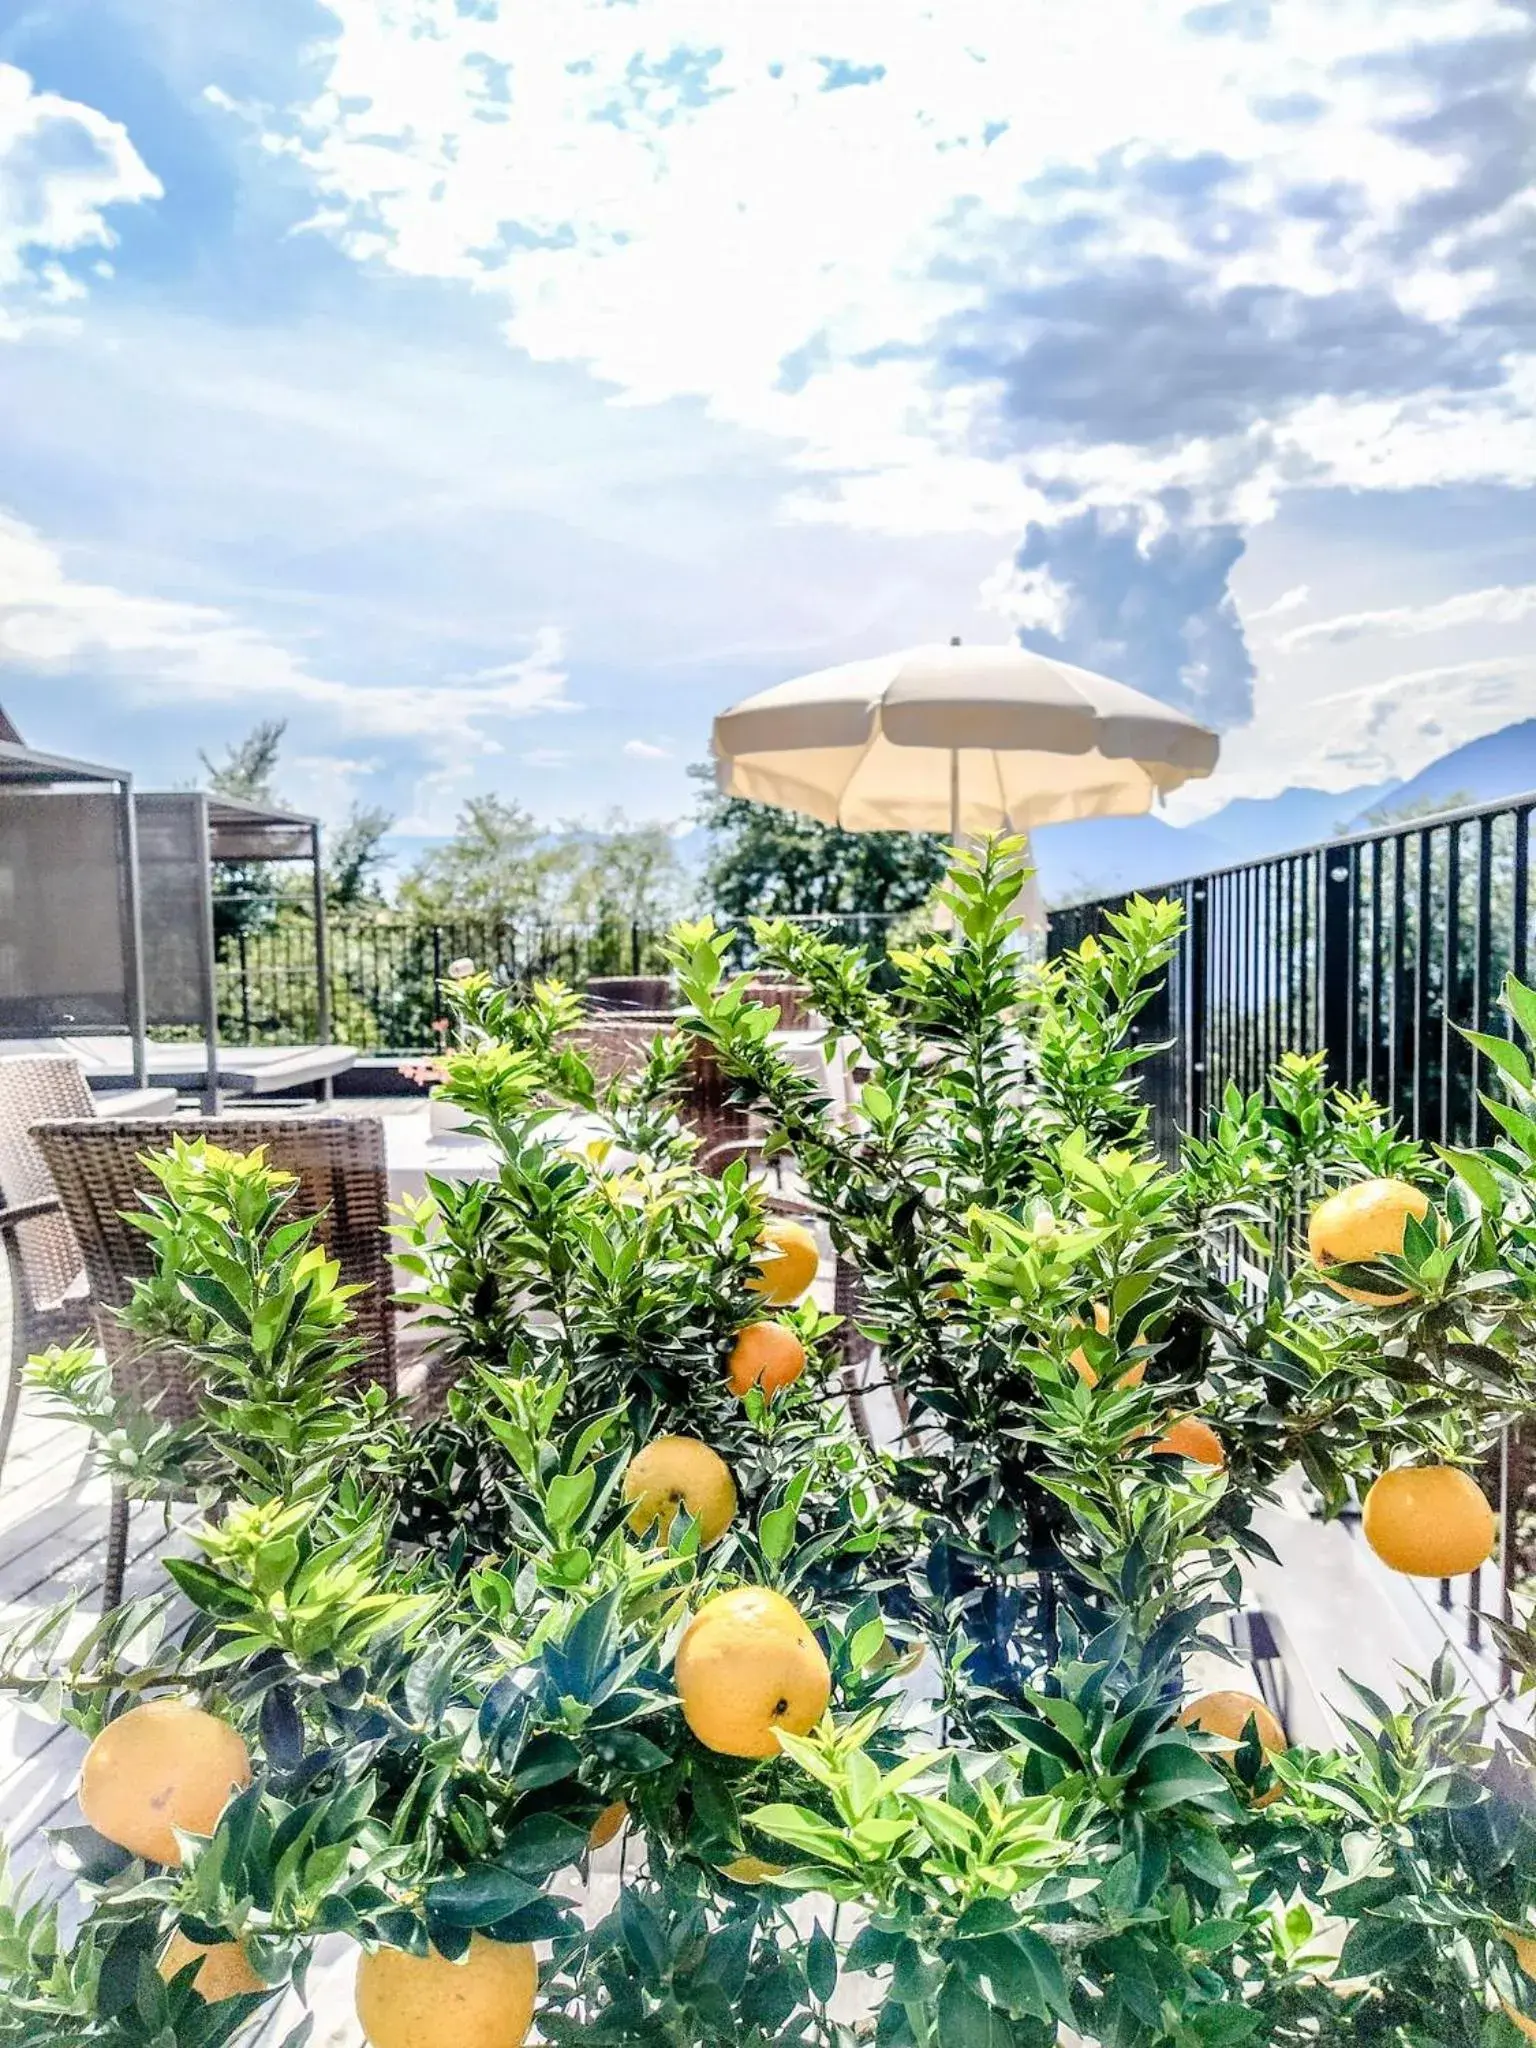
x=681 y=1612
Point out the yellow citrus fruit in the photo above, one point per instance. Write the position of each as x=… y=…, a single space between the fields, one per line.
x=161 y=1766
x=748 y=1667
x=484 y=2001
x=751 y=1870
x=226 y=1970
x=1361 y=1223
x=766 y=1355
x=1227 y=1715
x=608 y=1825
x=787 y=1261
x=1189 y=1437
x=1085 y=1371
x=1430 y=1521
x=678 y=1471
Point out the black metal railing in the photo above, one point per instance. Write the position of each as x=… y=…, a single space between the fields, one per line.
x=386 y=971
x=1374 y=948
x=1378 y=949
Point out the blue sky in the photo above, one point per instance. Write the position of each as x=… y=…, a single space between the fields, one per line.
x=495 y=391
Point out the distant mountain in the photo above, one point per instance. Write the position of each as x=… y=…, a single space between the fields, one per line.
x=1104 y=856
x=1502 y=764
x=1255 y=827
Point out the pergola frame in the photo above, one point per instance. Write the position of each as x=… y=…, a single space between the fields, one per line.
x=230 y=830
x=24 y=767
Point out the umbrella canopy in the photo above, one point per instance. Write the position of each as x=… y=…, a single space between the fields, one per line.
x=957 y=739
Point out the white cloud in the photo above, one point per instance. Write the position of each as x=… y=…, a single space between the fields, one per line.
x=665 y=192
x=1293 y=600
x=62 y=165
x=163 y=649
x=1031 y=600
x=646 y=750
x=1381 y=731
x=1502 y=605
x=326 y=786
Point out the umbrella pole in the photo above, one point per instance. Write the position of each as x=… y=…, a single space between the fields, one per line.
x=954 y=796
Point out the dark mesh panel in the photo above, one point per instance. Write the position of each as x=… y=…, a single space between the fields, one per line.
x=63 y=913
x=171 y=883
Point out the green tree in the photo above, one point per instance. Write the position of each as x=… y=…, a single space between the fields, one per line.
x=246 y=893
x=773 y=863
x=355 y=857
x=501 y=863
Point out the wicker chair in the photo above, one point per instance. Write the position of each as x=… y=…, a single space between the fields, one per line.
x=97 y=1170
x=49 y=1297
x=651 y=992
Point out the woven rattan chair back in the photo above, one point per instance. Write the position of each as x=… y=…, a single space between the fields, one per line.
x=652 y=992
x=620 y=1041
x=98 y=1168
x=35 y=1086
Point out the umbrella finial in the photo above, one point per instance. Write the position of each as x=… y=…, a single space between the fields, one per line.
x=954 y=639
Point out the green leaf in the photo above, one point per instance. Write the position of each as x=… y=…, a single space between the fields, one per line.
x=1174 y=1774
x=568 y=1497
x=965 y=2020
x=644 y=1937
x=206 y=1589
x=820 y=1965
x=806 y=1831
x=1504 y=1055
x=1017 y=1970
x=776 y=1532
x=541 y=1844
x=545 y=1761
x=480 y=1897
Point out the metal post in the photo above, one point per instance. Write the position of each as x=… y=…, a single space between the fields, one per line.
x=1337 y=964
x=209 y=977
x=133 y=963
x=1196 y=1051
x=322 y=956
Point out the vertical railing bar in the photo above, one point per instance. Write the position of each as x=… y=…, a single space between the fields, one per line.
x=1421 y=988
x=1450 y=975
x=1522 y=880
x=1373 y=1049
x=1482 y=977
x=1355 y=1060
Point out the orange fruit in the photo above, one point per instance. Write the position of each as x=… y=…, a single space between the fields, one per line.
x=484 y=2001
x=1430 y=1521
x=608 y=1825
x=1086 y=1373
x=748 y=1667
x=1189 y=1437
x=678 y=1471
x=1227 y=1714
x=766 y=1355
x=1360 y=1223
x=161 y=1766
x=226 y=1970
x=787 y=1262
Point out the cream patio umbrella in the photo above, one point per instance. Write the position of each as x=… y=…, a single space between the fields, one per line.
x=968 y=740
